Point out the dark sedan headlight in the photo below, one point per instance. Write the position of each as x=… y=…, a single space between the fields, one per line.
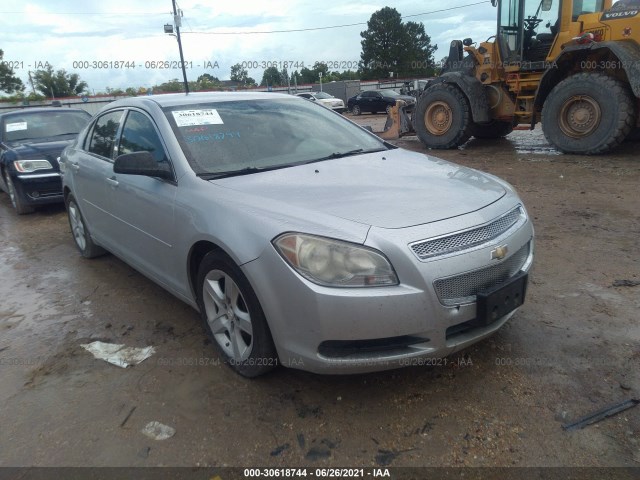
x=28 y=166
x=335 y=263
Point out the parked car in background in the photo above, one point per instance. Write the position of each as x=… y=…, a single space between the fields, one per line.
x=375 y=101
x=302 y=239
x=31 y=140
x=325 y=99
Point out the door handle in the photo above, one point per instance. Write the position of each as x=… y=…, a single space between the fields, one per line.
x=113 y=182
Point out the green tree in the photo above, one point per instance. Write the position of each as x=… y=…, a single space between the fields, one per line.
x=58 y=84
x=273 y=77
x=8 y=81
x=389 y=45
x=241 y=75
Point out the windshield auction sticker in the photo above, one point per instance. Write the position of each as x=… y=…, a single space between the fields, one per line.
x=14 y=127
x=188 y=118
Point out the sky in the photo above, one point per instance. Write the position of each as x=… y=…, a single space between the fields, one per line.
x=93 y=38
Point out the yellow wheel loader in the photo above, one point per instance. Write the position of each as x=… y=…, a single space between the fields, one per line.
x=573 y=65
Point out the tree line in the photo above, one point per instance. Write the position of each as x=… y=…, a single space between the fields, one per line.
x=389 y=47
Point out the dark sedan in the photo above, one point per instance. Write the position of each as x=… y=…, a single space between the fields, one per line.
x=375 y=101
x=30 y=143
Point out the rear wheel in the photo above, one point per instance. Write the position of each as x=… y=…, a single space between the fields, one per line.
x=233 y=317
x=80 y=232
x=17 y=201
x=493 y=129
x=442 y=117
x=588 y=113
x=356 y=110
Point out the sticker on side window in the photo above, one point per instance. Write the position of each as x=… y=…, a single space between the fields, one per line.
x=14 y=127
x=188 y=118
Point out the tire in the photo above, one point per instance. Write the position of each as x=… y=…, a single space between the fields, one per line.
x=443 y=117
x=80 y=232
x=22 y=208
x=233 y=317
x=588 y=114
x=355 y=110
x=388 y=109
x=493 y=129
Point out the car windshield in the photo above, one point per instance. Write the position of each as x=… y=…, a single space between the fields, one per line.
x=323 y=95
x=390 y=93
x=246 y=136
x=38 y=125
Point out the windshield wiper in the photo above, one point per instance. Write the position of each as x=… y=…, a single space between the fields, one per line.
x=237 y=173
x=356 y=151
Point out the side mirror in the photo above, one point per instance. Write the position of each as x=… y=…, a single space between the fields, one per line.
x=546 y=5
x=140 y=163
x=494 y=3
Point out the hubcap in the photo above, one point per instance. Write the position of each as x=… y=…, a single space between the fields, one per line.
x=580 y=116
x=227 y=315
x=77 y=227
x=438 y=118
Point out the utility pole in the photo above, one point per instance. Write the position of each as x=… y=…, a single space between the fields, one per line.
x=178 y=22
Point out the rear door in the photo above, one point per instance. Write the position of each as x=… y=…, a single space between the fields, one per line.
x=91 y=166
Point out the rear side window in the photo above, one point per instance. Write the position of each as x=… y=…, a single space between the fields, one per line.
x=104 y=134
x=139 y=135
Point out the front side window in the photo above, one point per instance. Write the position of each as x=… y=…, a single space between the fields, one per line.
x=139 y=135
x=104 y=133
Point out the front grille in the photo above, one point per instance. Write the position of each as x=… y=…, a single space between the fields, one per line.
x=463 y=288
x=468 y=238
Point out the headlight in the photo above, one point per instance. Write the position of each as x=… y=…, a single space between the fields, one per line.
x=27 y=166
x=335 y=263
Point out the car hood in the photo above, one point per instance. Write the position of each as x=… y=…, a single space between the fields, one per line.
x=49 y=149
x=391 y=189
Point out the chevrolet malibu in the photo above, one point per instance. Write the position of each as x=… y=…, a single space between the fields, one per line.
x=302 y=239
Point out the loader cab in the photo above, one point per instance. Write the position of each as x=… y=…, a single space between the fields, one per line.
x=527 y=29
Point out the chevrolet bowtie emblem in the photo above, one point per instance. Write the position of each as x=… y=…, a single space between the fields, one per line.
x=499 y=253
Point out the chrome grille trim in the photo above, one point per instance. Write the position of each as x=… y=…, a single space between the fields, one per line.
x=473 y=237
x=459 y=289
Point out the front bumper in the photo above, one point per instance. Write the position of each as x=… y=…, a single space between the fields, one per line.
x=39 y=188
x=354 y=330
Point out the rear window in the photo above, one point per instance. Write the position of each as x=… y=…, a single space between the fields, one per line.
x=38 y=125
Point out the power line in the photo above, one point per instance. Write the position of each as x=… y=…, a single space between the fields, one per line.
x=334 y=26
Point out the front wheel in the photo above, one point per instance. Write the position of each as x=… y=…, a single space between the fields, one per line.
x=588 y=113
x=233 y=317
x=442 y=117
x=356 y=110
x=17 y=201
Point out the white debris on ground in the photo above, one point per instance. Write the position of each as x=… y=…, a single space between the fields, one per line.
x=118 y=354
x=158 y=431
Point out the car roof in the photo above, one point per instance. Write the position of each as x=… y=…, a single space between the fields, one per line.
x=27 y=111
x=182 y=99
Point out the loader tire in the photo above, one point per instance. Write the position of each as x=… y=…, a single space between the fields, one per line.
x=588 y=114
x=493 y=129
x=443 y=117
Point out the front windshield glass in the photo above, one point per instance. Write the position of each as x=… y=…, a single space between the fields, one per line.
x=390 y=93
x=37 y=125
x=323 y=95
x=233 y=136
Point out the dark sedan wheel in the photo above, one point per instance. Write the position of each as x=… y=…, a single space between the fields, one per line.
x=80 y=232
x=233 y=317
x=17 y=201
x=356 y=110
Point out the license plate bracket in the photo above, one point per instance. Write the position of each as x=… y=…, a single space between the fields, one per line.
x=495 y=303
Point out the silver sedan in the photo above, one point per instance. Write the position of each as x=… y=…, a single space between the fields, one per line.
x=302 y=239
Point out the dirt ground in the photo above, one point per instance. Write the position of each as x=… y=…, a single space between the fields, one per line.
x=572 y=349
